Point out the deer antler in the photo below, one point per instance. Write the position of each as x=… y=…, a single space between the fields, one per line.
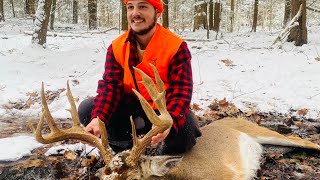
x=75 y=132
x=161 y=122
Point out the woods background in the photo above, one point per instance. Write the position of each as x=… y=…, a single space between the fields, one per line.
x=179 y=15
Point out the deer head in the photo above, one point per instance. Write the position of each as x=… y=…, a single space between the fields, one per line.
x=127 y=164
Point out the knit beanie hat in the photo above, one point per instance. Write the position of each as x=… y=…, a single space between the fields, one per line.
x=156 y=3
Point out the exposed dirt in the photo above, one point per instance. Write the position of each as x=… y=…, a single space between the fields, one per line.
x=277 y=163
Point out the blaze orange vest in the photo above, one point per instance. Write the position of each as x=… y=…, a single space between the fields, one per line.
x=159 y=51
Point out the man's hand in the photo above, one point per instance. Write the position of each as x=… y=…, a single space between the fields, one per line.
x=159 y=137
x=93 y=127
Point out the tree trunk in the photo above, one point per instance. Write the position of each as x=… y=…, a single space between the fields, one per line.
x=41 y=22
x=270 y=15
x=165 y=14
x=299 y=33
x=211 y=15
x=12 y=5
x=200 y=15
x=217 y=16
x=286 y=16
x=232 y=15
x=92 y=10
x=53 y=12
x=75 y=15
x=1 y=11
x=27 y=10
x=124 y=22
x=255 y=16
x=30 y=8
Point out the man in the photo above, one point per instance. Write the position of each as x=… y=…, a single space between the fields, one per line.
x=145 y=42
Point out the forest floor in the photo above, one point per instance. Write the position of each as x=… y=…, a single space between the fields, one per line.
x=277 y=163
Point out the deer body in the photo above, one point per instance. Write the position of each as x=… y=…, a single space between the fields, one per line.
x=228 y=149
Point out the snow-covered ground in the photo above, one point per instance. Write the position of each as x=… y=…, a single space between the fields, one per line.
x=259 y=76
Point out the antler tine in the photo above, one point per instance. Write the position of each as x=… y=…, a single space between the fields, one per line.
x=75 y=132
x=73 y=108
x=162 y=122
x=46 y=113
x=134 y=133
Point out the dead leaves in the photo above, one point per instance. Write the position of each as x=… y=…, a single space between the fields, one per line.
x=220 y=109
x=33 y=97
x=228 y=62
x=195 y=107
x=70 y=155
x=302 y=112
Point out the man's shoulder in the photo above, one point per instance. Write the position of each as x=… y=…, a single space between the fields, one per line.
x=169 y=33
x=122 y=38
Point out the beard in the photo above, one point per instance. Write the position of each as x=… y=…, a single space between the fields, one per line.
x=148 y=29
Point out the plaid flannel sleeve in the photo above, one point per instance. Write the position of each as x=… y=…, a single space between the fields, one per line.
x=180 y=89
x=109 y=89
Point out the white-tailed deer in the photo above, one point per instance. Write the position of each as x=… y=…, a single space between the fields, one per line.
x=228 y=149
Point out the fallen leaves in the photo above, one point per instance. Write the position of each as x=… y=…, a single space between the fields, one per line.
x=220 y=109
x=70 y=155
x=302 y=112
x=228 y=62
x=33 y=97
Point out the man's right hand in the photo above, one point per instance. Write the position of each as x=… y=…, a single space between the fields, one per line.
x=93 y=127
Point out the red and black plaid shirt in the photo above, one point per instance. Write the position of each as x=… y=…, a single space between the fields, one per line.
x=178 y=96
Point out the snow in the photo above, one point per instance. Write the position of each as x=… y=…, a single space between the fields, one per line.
x=262 y=77
x=17 y=147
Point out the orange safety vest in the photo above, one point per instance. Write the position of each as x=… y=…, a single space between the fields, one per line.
x=159 y=51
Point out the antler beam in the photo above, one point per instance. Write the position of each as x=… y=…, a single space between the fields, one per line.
x=161 y=123
x=75 y=132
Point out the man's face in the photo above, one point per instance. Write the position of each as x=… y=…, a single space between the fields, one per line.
x=142 y=16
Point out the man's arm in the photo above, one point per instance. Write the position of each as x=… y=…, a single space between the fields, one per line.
x=180 y=89
x=109 y=92
x=179 y=94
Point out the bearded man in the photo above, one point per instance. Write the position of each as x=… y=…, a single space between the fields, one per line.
x=145 y=42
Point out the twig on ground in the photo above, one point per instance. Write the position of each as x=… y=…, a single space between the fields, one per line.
x=313 y=96
x=246 y=93
x=82 y=74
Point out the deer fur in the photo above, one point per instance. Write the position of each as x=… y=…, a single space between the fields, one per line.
x=230 y=148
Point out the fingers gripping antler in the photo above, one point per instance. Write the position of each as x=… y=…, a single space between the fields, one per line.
x=75 y=132
x=161 y=122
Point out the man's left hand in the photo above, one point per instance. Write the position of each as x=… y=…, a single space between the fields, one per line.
x=159 y=137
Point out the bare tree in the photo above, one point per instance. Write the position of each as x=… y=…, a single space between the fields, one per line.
x=165 y=14
x=92 y=10
x=200 y=15
x=30 y=7
x=41 y=22
x=232 y=15
x=211 y=15
x=217 y=16
x=75 y=14
x=1 y=11
x=124 y=22
x=52 y=17
x=299 y=33
x=12 y=5
x=255 y=16
x=286 y=16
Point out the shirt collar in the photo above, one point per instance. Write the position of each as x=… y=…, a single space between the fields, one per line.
x=131 y=37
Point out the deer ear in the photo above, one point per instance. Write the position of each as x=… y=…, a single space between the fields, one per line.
x=160 y=165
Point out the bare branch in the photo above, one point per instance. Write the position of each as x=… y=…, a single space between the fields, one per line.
x=290 y=25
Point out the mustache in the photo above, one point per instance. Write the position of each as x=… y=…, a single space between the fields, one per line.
x=137 y=17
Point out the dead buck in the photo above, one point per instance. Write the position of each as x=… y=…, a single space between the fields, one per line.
x=228 y=149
